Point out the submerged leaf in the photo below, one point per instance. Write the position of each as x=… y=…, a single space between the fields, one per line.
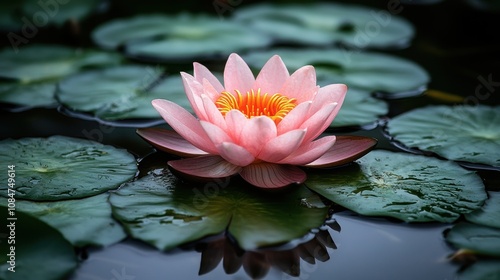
x=460 y=133
x=161 y=210
x=59 y=167
x=404 y=186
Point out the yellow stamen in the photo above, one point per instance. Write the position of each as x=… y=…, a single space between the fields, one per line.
x=253 y=104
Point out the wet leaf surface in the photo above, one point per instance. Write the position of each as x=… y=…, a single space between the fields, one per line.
x=164 y=212
x=83 y=222
x=460 y=133
x=59 y=167
x=404 y=186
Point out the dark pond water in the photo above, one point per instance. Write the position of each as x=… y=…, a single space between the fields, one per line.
x=457 y=44
x=366 y=249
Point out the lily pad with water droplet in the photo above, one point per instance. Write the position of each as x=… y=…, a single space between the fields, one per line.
x=182 y=37
x=404 y=186
x=328 y=23
x=59 y=167
x=479 y=239
x=41 y=252
x=460 y=133
x=82 y=222
x=122 y=92
x=359 y=109
x=164 y=212
x=489 y=214
x=368 y=71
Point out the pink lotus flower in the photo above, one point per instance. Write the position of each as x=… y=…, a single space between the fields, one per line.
x=262 y=128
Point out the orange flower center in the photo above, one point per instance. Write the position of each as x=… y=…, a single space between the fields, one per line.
x=253 y=104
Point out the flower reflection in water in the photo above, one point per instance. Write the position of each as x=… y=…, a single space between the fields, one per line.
x=257 y=263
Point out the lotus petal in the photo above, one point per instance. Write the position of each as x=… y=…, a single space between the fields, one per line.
x=185 y=124
x=347 y=148
x=201 y=73
x=270 y=176
x=204 y=167
x=237 y=75
x=169 y=141
x=272 y=76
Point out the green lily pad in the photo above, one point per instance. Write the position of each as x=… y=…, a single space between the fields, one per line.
x=369 y=71
x=481 y=270
x=122 y=92
x=359 y=109
x=58 y=12
x=32 y=72
x=82 y=222
x=328 y=23
x=29 y=95
x=164 y=212
x=479 y=239
x=118 y=32
x=489 y=214
x=404 y=186
x=58 y=167
x=460 y=133
x=180 y=37
x=41 y=252
x=38 y=62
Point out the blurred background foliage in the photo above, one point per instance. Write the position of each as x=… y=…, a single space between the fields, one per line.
x=456 y=40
